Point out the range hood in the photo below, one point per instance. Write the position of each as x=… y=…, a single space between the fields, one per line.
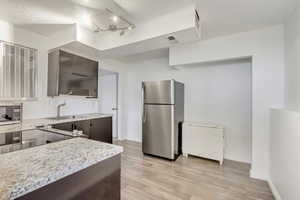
x=70 y=74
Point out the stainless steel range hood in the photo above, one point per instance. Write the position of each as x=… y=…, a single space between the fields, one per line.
x=69 y=74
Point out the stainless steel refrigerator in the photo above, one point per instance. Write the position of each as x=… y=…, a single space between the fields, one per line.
x=163 y=115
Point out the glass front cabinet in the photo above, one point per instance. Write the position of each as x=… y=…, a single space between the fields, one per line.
x=18 y=72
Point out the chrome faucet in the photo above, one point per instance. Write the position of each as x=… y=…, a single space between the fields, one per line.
x=59 y=109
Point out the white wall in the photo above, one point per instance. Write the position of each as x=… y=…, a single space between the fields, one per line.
x=7 y=31
x=47 y=107
x=292 y=61
x=285 y=123
x=215 y=92
x=266 y=47
x=285 y=151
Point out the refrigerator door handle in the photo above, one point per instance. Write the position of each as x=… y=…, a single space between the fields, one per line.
x=143 y=106
x=144 y=115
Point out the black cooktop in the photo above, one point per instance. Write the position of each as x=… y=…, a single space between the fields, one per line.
x=15 y=141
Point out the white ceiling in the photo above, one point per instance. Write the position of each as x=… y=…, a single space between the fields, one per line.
x=35 y=14
x=233 y=16
x=143 y=10
x=148 y=55
x=94 y=54
x=218 y=17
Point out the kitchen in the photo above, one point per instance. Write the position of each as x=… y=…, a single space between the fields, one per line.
x=229 y=69
x=45 y=156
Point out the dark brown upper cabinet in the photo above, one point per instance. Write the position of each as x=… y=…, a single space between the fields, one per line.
x=70 y=74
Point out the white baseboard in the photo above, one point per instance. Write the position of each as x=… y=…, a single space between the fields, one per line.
x=133 y=139
x=274 y=191
x=258 y=175
x=120 y=139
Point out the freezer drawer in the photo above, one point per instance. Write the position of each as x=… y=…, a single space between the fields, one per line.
x=158 y=130
x=159 y=92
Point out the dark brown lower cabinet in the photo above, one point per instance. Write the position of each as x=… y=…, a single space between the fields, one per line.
x=96 y=129
x=83 y=126
x=64 y=126
x=101 y=130
x=97 y=182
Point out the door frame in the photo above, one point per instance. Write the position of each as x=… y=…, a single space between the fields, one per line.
x=117 y=75
x=117 y=104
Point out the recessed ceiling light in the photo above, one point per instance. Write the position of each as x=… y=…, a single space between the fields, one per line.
x=115 y=18
x=129 y=27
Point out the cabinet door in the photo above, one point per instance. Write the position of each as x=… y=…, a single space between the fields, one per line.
x=64 y=126
x=101 y=130
x=83 y=126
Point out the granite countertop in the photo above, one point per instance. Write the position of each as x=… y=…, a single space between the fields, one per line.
x=27 y=170
x=28 y=124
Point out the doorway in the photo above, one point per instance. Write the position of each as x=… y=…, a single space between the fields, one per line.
x=108 y=95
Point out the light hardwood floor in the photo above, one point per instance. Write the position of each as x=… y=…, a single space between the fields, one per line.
x=150 y=178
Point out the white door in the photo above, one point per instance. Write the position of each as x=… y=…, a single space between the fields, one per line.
x=108 y=95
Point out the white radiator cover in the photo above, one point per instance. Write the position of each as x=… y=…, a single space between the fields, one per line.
x=203 y=140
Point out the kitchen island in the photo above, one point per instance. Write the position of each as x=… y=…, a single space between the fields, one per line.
x=77 y=168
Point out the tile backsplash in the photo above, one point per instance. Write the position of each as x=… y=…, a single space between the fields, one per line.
x=47 y=107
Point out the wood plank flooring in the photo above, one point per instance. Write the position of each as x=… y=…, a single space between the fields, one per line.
x=150 y=178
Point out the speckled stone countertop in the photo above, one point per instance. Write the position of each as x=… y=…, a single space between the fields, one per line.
x=24 y=171
x=28 y=124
